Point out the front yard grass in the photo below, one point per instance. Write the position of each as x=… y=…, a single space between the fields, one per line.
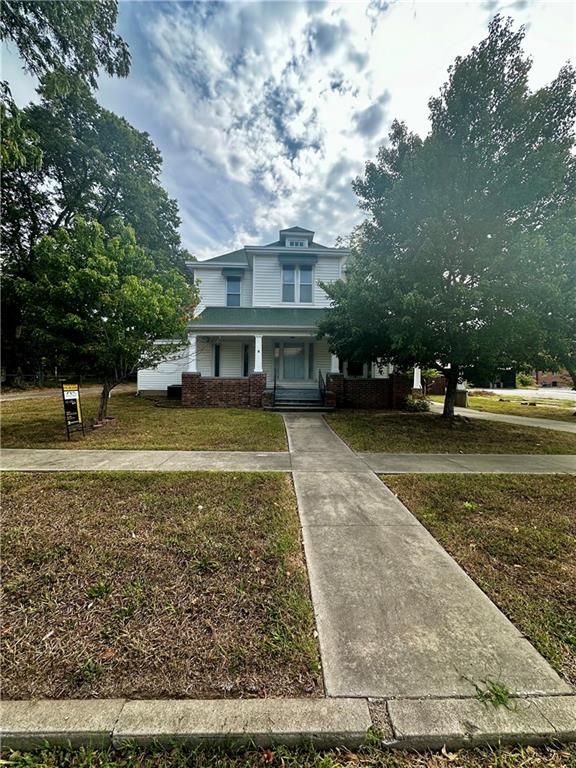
x=139 y=424
x=394 y=432
x=516 y=537
x=305 y=757
x=152 y=585
x=562 y=410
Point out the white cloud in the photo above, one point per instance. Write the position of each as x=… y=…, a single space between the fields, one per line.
x=267 y=100
x=265 y=111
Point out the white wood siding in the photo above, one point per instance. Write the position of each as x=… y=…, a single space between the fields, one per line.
x=268 y=281
x=246 y=289
x=213 y=288
x=326 y=271
x=204 y=357
x=323 y=357
x=168 y=372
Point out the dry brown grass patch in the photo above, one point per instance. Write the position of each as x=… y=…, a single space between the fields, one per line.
x=154 y=585
x=516 y=536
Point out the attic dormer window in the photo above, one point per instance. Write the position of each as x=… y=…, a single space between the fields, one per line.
x=296 y=243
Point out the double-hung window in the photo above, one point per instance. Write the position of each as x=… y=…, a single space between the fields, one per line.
x=297 y=283
x=305 y=284
x=288 y=283
x=232 y=291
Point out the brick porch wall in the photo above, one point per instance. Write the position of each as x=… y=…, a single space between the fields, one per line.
x=368 y=393
x=211 y=392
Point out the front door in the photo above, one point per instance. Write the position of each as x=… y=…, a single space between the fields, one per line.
x=293 y=355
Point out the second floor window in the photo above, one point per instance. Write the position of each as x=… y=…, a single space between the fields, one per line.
x=297 y=284
x=305 y=284
x=288 y=283
x=233 y=292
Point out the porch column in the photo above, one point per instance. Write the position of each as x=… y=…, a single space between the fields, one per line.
x=258 y=354
x=417 y=383
x=192 y=358
x=334 y=364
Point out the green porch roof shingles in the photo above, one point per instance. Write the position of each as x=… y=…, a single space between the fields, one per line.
x=255 y=317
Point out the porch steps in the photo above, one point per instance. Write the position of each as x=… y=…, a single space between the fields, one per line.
x=308 y=400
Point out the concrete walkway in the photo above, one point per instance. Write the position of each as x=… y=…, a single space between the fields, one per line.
x=304 y=458
x=396 y=616
x=504 y=463
x=62 y=460
x=519 y=421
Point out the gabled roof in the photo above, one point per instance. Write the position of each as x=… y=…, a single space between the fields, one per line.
x=243 y=256
x=254 y=317
x=299 y=230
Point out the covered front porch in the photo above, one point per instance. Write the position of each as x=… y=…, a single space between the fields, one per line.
x=291 y=361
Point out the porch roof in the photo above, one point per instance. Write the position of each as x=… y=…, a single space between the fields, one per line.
x=258 y=317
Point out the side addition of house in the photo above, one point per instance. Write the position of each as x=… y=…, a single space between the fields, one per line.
x=256 y=325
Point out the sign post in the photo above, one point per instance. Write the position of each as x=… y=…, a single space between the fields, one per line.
x=72 y=409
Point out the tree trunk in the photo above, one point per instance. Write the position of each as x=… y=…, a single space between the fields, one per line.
x=104 y=395
x=572 y=374
x=452 y=376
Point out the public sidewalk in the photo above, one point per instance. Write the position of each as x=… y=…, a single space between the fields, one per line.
x=307 y=456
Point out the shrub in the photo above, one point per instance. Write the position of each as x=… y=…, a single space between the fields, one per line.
x=524 y=379
x=415 y=404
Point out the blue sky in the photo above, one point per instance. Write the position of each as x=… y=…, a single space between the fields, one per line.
x=265 y=112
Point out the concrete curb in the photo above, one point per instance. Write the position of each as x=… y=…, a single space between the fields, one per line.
x=412 y=723
x=457 y=723
x=322 y=722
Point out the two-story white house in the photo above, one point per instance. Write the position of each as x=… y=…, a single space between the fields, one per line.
x=256 y=326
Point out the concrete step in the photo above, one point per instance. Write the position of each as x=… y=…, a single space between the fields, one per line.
x=301 y=408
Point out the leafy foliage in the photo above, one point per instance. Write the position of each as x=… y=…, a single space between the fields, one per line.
x=19 y=147
x=94 y=164
x=524 y=379
x=414 y=404
x=76 y=36
x=98 y=302
x=451 y=264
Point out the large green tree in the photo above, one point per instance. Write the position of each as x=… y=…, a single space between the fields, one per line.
x=448 y=268
x=98 y=304
x=77 y=36
x=94 y=164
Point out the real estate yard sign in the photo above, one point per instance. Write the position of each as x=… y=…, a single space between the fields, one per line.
x=72 y=408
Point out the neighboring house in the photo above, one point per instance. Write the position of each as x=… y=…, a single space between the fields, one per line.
x=553 y=379
x=256 y=326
